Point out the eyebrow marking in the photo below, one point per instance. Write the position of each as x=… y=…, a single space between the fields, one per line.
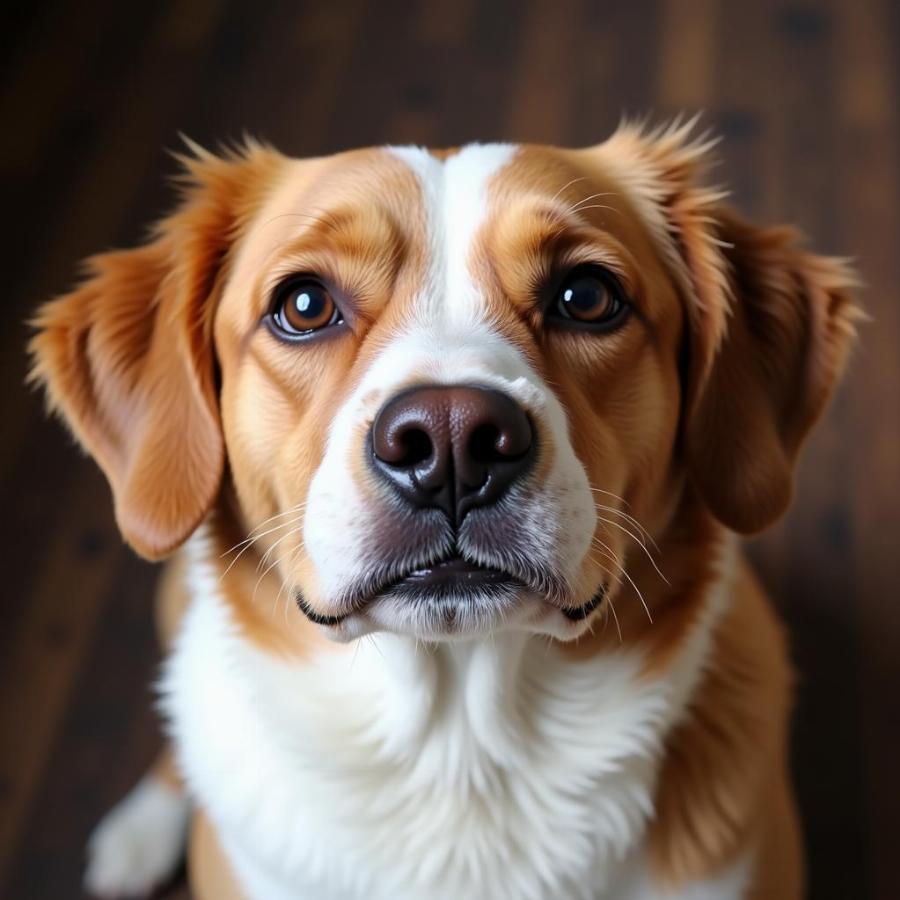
x=326 y=218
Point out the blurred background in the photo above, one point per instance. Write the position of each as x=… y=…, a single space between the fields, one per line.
x=805 y=96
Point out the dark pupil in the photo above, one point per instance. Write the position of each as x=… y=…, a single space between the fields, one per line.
x=309 y=302
x=584 y=295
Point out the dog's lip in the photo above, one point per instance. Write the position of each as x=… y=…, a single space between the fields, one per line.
x=580 y=613
x=450 y=572
x=453 y=571
x=317 y=618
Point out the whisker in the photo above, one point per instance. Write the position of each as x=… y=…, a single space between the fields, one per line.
x=268 y=552
x=252 y=535
x=294 y=511
x=609 y=599
x=645 y=534
x=251 y=541
x=640 y=543
x=597 y=206
x=625 y=514
x=577 y=207
x=294 y=554
x=612 y=575
x=287 y=602
x=287 y=512
x=621 y=500
x=615 y=616
x=565 y=187
x=578 y=203
x=371 y=638
x=270 y=566
x=356 y=652
x=630 y=580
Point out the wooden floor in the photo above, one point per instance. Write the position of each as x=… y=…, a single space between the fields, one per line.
x=806 y=97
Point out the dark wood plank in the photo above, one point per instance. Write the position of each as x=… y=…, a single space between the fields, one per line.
x=805 y=559
x=867 y=223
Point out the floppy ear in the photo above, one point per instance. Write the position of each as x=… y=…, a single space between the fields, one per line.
x=768 y=325
x=759 y=386
x=127 y=358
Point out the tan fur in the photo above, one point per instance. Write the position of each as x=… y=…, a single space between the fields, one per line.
x=688 y=419
x=776 y=368
x=260 y=607
x=724 y=762
x=208 y=868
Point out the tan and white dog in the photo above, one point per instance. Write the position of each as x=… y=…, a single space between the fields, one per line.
x=456 y=445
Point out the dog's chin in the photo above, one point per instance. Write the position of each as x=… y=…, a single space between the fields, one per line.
x=455 y=600
x=445 y=613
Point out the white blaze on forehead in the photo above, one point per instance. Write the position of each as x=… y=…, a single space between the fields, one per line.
x=455 y=193
x=449 y=336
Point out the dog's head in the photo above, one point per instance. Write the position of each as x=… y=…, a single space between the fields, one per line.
x=454 y=386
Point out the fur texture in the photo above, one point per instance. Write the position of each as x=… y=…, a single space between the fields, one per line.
x=514 y=749
x=496 y=768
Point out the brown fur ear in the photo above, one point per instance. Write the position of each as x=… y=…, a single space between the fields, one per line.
x=127 y=358
x=768 y=324
x=760 y=384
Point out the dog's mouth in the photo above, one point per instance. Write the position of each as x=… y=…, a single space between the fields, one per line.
x=448 y=590
x=455 y=573
x=439 y=582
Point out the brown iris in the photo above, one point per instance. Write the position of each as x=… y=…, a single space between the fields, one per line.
x=590 y=296
x=304 y=306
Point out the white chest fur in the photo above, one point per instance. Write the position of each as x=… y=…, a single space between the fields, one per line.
x=495 y=768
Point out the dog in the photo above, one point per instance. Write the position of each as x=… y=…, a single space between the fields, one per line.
x=449 y=453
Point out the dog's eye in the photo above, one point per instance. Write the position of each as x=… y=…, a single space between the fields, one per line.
x=304 y=306
x=590 y=297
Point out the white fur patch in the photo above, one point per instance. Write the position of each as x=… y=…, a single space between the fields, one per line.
x=138 y=843
x=494 y=767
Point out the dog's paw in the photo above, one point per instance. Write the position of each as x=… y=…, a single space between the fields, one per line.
x=138 y=844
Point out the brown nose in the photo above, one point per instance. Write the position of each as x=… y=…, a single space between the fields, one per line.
x=452 y=447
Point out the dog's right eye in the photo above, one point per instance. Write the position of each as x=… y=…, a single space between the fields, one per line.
x=590 y=298
x=302 y=307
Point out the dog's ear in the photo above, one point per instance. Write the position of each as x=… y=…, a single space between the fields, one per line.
x=127 y=358
x=768 y=326
x=756 y=390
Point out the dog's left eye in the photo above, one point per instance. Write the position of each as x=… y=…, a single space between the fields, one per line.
x=302 y=307
x=590 y=297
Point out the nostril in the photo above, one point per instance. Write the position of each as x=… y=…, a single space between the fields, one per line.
x=486 y=444
x=417 y=448
x=492 y=443
x=403 y=446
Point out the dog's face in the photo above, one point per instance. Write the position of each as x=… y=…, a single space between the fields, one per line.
x=451 y=389
x=435 y=363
